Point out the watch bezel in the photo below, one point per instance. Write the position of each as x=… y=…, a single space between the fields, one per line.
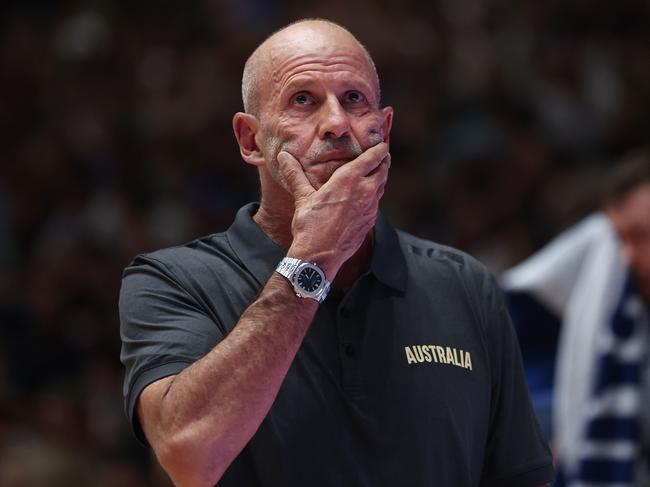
x=302 y=292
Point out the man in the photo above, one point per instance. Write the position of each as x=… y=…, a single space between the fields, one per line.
x=581 y=310
x=239 y=371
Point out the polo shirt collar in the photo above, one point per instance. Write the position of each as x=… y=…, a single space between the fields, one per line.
x=260 y=255
x=388 y=263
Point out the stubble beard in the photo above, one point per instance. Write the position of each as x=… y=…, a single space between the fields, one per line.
x=309 y=161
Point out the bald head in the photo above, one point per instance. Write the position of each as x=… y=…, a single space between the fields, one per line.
x=258 y=68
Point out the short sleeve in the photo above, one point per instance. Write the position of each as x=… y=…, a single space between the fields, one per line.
x=162 y=327
x=517 y=453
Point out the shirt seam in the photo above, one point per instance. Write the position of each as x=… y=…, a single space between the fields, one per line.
x=239 y=258
x=197 y=303
x=170 y=270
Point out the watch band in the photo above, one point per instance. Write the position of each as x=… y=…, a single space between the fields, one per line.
x=287 y=267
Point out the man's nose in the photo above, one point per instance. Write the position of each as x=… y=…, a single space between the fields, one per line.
x=334 y=121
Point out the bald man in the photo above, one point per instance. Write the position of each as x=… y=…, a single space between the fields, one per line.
x=312 y=343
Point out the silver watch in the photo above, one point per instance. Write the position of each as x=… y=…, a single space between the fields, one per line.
x=308 y=279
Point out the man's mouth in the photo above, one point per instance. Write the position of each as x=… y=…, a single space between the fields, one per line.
x=335 y=156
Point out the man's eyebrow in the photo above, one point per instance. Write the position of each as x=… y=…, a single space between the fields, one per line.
x=360 y=85
x=299 y=83
x=354 y=83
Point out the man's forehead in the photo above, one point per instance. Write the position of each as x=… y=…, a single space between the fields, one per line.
x=290 y=59
x=317 y=42
x=301 y=40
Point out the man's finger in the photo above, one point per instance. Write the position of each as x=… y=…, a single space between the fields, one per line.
x=294 y=176
x=383 y=166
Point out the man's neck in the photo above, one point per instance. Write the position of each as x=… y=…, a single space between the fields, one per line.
x=275 y=214
x=276 y=224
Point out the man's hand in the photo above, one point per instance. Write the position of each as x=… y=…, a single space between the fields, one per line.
x=330 y=224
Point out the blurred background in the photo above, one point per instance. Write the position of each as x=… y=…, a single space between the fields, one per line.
x=116 y=139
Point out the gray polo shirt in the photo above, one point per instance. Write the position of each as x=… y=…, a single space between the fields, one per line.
x=413 y=377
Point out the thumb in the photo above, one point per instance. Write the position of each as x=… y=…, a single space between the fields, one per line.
x=293 y=176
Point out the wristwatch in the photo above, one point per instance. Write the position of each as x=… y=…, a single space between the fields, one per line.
x=307 y=278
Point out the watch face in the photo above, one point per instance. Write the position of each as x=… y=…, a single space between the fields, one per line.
x=309 y=279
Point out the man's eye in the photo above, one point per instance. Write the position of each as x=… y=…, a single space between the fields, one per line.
x=302 y=99
x=354 y=97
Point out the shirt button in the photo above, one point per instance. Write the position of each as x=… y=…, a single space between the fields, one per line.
x=350 y=350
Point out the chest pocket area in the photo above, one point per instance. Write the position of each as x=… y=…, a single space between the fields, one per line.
x=446 y=381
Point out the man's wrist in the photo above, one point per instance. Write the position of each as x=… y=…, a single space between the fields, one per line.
x=326 y=260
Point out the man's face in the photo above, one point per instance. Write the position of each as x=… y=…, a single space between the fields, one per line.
x=631 y=219
x=320 y=104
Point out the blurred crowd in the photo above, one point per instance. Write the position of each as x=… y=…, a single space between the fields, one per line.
x=116 y=139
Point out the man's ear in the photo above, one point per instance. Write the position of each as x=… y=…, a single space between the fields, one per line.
x=245 y=127
x=387 y=113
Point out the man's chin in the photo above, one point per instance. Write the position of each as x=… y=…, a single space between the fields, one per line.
x=321 y=172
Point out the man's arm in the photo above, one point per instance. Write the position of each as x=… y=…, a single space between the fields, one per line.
x=199 y=420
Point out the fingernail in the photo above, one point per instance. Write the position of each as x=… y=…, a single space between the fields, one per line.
x=283 y=157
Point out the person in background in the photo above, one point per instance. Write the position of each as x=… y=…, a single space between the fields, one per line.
x=580 y=307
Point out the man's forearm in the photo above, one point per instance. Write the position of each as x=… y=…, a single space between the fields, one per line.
x=210 y=411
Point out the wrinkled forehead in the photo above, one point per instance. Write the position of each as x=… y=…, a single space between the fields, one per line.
x=291 y=55
x=320 y=49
